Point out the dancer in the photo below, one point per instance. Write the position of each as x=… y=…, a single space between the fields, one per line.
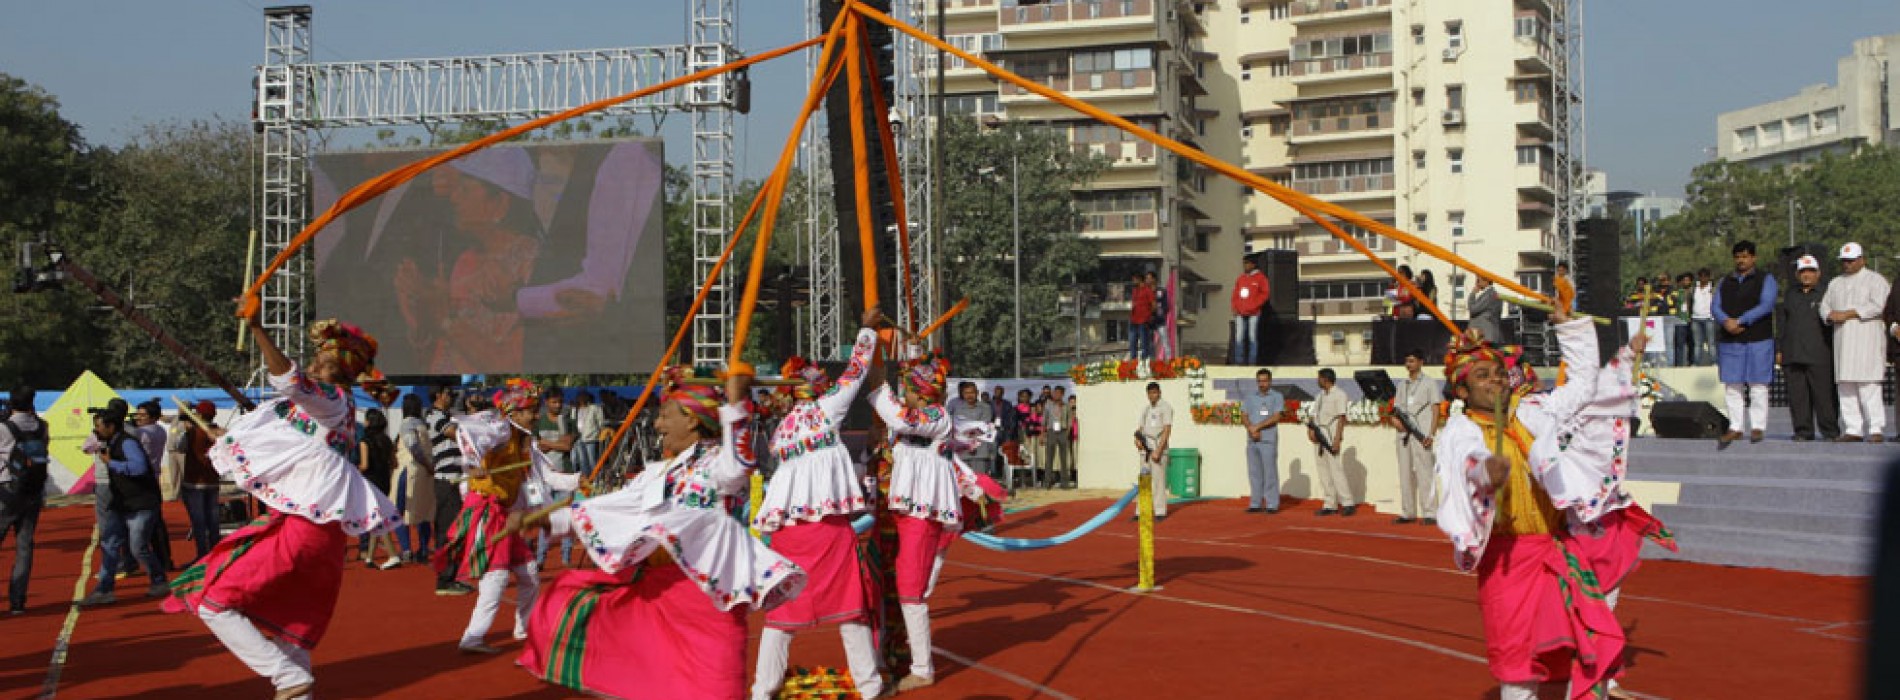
x=926 y=492
x=1582 y=464
x=282 y=575
x=507 y=473
x=807 y=510
x=665 y=616
x=1545 y=621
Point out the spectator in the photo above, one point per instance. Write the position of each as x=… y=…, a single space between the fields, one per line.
x=1403 y=305
x=24 y=445
x=1637 y=297
x=969 y=407
x=1151 y=440
x=558 y=433
x=1330 y=415
x=1807 y=361
x=447 y=457
x=153 y=439
x=1028 y=431
x=131 y=509
x=1427 y=288
x=1263 y=408
x=1141 y=312
x=591 y=421
x=1057 y=451
x=377 y=462
x=1417 y=399
x=1682 y=306
x=1701 y=322
x=1485 y=309
x=1250 y=298
x=1745 y=351
x=1853 y=305
x=1566 y=289
x=414 y=483
x=1160 y=343
x=199 y=489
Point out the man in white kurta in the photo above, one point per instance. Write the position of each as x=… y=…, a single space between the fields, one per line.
x=1852 y=305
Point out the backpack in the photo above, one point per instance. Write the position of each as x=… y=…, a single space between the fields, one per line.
x=29 y=460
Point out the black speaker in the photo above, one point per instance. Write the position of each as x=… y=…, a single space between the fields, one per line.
x=1599 y=272
x=1282 y=268
x=838 y=116
x=1688 y=420
x=1375 y=385
x=1287 y=342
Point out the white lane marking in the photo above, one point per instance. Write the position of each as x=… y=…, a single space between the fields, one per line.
x=50 y=688
x=1000 y=673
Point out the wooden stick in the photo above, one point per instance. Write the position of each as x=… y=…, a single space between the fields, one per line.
x=945 y=318
x=491 y=472
x=1642 y=326
x=1547 y=308
x=715 y=381
x=191 y=414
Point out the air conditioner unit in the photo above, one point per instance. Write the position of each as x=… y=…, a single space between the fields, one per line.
x=1453 y=116
x=1452 y=54
x=1098 y=150
x=1339 y=337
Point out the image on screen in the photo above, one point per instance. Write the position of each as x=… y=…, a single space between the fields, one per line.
x=532 y=258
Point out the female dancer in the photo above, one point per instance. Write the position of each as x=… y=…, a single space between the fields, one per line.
x=283 y=575
x=807 y=509
x=507 y=473
x=665 y=616
x=926 y=496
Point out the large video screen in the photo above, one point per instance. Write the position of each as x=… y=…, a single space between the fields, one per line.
x=533 y=258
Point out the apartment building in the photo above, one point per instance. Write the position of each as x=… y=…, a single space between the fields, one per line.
x=1142 y=60
x=1434 y=117
x=1858 y=109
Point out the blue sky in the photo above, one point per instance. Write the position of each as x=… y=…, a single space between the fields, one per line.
x=1659 y=70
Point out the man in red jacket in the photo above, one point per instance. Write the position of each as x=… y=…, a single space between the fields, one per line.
x=1141 y=313
x=1250 y=296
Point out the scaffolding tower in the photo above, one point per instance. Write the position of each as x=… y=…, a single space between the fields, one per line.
x=824 y=339
x=296 y=96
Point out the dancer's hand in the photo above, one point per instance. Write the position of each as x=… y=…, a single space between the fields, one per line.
x=871 y=317
x=1559 y=315
x=1496 y=469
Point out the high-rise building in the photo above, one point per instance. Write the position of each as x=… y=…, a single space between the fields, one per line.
x=1859 y=109
x=1440 y=118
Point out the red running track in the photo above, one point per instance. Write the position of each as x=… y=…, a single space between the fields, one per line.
x=1251 y=606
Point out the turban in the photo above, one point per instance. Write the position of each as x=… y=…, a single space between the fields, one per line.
x=816 y=381
x=927 y=376
x=701 y=401
x=517 y=395
x=1466 y=353
x=355 y=350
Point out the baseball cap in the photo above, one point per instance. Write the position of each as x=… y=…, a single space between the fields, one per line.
x=1851 y=251
x=1807 y=262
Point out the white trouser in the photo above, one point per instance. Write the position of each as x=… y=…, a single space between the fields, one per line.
x=936 y=569
x=917 y=624
x=1158 y=482
x=1417 y=483
x=488 y=602
x=286 y=665
x=775 y=648
x=1861 y=401
x=1757 y=410
x=1334 y=488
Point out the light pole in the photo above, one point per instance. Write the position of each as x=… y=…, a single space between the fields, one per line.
x=1016 y=254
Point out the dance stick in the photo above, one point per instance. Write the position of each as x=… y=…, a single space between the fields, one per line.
x=534 y=516
x=192 y=414
x=1547 y=308
x=716 y=381
x=893 y=179
x=1642 y=326
x=458 y=478
x=945 y=318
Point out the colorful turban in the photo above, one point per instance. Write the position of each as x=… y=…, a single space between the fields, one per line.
x=927 y=377
x=1466 y=353
x=355 y=350
x=701 y=401
x=517 y=395
x=816 y=381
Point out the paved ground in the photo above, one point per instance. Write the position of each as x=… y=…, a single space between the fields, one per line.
x=1288 y=606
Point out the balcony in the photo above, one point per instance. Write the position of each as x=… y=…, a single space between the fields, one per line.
x=1310 y=308
x=1121 y=154
x=1331 y=245
x=1120 y=225
x=1091 y=86
x=1339 y=189
x=1537 y=178
x=1534 y=57
x=1320 y=70
x=1545 y=239
x=1077 y=15
x=1333 y=129
x=1535 y=117
x=968 y=8
x=1314 y=12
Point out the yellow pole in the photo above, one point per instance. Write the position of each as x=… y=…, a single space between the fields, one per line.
x=250 y=257
x=1145 y=510
x=758 y=496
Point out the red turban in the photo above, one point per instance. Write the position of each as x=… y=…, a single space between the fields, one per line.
x=517 y=395
x=1465 y=353
x=355 y=350
x=701 y=401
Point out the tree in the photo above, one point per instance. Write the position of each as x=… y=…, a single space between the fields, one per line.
x=976 y=248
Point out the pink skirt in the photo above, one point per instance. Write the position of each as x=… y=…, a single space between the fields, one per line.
x=284 y=574
x=1614 y=550
x=471 y=550
x=918 y=542
x=647 y=632
x=1543 y=620
x=834 y=582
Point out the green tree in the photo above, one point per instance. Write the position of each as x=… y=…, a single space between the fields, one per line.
x=976 y=248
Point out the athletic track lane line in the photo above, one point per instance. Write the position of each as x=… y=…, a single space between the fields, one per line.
x=50 y=688
x=1000 y=673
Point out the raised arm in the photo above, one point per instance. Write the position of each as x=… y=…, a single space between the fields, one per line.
x=837 y=400
x=1578 y=343
x=925 y=422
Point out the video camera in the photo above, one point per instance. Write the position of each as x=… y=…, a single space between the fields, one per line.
x=31 y=277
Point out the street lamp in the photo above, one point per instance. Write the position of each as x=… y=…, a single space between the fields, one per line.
x=1015 y=254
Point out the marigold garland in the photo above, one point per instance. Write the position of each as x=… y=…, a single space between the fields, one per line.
x=821 y=683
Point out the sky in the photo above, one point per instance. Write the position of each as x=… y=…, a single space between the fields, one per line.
x=1658 y=71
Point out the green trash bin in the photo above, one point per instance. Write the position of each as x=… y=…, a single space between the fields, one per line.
x=1184 y=472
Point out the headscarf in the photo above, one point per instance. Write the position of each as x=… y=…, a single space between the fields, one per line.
x=927 y=377
x=355 y=350
x=816 y=380
x=1465 y=353
x=701 y=401
x=517 y=394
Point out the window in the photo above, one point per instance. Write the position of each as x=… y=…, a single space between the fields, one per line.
x=1418 y=160
x=1418 y=223
x=1456 y=156
x=1246 y=71
x=1457 y=224
x=1798 y=128
x=1827 y=122
x=1418 y=97
x=1246 y=132
x=1526 y=90
x=982 y=103
x=1280 y=69
x=1418 y=35
x=1279 y=10
x=1276 y=126
x=1344 y=289
x=1745 y=139
x=1200 y=127
x=1283 y=241
x=1115 y=331
x=1245 y=15
x=1454 y=97
x=1770 y=134
x=1455 y=35
x=1528 y=155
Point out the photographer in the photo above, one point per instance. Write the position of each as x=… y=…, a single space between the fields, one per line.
x=22 y=489
x=132 y=508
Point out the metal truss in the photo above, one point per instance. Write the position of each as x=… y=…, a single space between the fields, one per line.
x=1567 y=122
x=296 y=96
x=912 y=63
x=824 y=339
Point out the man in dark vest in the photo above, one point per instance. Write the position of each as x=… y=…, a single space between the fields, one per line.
x=1745 y=346
x=132 y=510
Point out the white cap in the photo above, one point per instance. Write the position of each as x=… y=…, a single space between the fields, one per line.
x=506 y=167
x=1807 y=262
x=1851 y=251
